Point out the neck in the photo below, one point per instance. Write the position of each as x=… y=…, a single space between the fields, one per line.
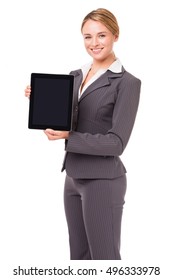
x=97 y=64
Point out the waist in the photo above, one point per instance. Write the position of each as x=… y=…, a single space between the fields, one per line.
x=93 y=167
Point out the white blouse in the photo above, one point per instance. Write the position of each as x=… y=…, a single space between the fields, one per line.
x=115 y=67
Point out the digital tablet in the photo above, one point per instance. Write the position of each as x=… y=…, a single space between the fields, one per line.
x=51 y=101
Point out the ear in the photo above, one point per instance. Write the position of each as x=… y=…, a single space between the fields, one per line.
x=115 y=38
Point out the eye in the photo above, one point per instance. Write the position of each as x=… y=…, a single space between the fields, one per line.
x=102 y=36
x=87 y=37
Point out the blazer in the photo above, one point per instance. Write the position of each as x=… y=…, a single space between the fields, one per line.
x=103 y=119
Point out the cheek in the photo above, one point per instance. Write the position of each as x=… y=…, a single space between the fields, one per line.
x=86 y=44
x=110 y=44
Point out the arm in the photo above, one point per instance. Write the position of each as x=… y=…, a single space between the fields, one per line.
x=114 y=142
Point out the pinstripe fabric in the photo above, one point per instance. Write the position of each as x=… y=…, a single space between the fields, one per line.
x=103 y=120
x=95 y=185
x=94 y=212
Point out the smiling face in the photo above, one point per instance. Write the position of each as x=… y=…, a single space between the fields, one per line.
x=98 y=40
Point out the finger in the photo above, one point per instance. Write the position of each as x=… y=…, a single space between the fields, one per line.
x=50 y=131
x=27 y=92
x=51 y=137
x=52 y=134
x=27 y=89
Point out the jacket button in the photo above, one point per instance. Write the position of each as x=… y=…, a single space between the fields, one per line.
x=76 y=108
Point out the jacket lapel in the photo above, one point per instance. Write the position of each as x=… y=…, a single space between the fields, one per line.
x=102 y=81
x=77 y=82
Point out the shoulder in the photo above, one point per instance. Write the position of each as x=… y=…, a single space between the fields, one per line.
x=75 y=72
x=127 y=81
x=124 y=80
x=129 y=85
x=130 y=78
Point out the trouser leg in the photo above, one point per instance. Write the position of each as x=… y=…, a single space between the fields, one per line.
x=94 y=212
x=79 y=249
x=102 y=203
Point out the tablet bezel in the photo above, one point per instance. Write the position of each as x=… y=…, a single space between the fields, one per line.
x=42 y=126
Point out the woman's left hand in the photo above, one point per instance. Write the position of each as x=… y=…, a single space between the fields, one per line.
x=56 y=134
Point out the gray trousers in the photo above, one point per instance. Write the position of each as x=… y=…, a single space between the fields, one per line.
x=94 y=211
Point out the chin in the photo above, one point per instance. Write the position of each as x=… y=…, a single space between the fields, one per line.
x=97 y=57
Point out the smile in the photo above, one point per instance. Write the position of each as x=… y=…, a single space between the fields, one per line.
x=96 y=51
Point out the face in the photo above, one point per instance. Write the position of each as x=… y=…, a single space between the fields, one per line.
x=98 y=40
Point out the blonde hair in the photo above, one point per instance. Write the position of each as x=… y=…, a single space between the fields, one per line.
x=105 y=17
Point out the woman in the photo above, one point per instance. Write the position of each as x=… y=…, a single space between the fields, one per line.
x=106 y=99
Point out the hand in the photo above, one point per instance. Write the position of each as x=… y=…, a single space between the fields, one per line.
x=56 y=134
x=28 y=91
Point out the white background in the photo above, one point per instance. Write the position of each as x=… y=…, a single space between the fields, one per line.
x=44 y=36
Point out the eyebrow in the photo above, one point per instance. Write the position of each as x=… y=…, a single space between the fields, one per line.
x=97 y=33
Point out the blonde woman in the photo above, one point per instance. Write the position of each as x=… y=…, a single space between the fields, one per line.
x=106 y=99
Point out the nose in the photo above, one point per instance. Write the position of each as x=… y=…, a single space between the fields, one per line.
x=95 y=41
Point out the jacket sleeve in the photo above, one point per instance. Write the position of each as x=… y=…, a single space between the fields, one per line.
x=115 y=140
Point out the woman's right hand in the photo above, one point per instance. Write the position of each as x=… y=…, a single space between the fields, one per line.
x=28 y=91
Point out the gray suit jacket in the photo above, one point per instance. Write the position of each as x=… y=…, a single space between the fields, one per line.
x=103 y=119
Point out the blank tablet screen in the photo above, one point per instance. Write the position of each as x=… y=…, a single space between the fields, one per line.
x=51 y=101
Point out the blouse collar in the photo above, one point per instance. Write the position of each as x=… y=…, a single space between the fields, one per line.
x=115 y=67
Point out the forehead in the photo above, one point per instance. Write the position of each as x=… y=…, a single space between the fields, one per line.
x=93 y=26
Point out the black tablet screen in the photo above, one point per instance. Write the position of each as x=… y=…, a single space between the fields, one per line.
x=51 y=101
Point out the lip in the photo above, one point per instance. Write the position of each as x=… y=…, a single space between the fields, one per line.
x=97 y=51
